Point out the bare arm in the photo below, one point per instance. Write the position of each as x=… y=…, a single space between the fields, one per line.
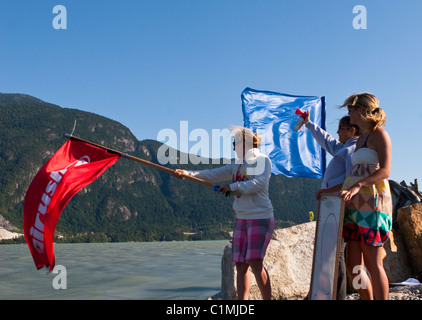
x=332 y=189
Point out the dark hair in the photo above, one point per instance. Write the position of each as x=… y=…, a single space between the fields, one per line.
x=345 y=121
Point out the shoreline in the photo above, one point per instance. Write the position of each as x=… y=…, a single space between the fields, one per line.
x=8 y=235
x=413 y=292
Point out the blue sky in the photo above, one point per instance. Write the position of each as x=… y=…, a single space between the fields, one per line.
x=151 y=64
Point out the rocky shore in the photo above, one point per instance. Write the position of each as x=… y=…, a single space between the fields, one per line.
x=289 y=261
x=6 y=230
x=398 y=293
x=5 y=234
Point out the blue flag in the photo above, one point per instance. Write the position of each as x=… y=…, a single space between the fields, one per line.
x=273 y=116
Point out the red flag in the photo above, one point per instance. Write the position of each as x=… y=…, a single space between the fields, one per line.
x=72 y=167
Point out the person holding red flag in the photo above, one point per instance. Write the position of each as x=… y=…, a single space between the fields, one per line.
x=250 y=176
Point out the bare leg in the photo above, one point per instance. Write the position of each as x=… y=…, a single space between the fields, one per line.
x=355 y=268
x=373 y=257
x=242 y=280
x=262 y=278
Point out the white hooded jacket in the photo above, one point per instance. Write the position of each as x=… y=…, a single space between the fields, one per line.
x=250 y=179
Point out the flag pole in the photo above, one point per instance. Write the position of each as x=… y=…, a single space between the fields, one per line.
x=142 y=161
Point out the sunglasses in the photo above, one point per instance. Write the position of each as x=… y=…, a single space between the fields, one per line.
x=352 y=108
x=343 y=128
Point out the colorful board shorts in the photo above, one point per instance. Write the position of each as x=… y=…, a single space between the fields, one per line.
x=367 y=217
x=251 y=238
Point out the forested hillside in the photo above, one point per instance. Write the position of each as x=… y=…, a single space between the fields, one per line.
x=129 y=202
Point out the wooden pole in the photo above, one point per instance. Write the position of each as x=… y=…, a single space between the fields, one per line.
x=142 y=161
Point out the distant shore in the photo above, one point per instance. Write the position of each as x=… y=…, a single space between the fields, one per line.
x=8 y=235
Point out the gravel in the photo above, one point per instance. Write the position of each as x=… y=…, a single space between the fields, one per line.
x=398 y=293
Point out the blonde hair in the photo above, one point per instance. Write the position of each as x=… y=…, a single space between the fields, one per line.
x=251 y=139
x=368 y=105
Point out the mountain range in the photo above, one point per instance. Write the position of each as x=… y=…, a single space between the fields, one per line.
x=130 y=201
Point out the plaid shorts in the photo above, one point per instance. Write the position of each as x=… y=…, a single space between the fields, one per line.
x=251 y=238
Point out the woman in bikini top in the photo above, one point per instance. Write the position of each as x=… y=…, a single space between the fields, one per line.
x=367 y=196
x=365 y=155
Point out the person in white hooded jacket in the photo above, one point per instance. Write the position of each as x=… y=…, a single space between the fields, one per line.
x=250 y=175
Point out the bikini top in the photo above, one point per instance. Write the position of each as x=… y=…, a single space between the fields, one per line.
x=365 y=155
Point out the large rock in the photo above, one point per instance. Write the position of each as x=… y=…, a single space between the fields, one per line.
x=289 y=264
x=396 y=262
x=409 y=220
